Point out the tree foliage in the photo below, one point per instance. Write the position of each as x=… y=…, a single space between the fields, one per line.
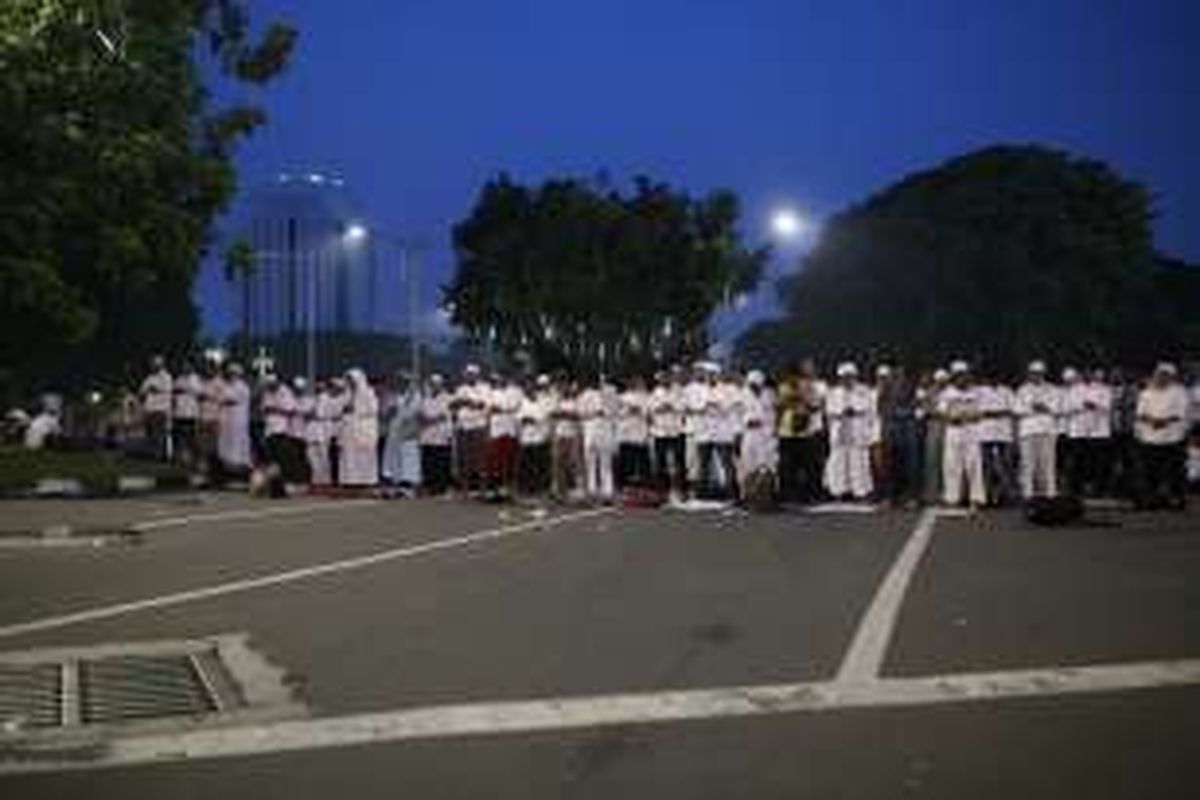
x=115 y=163
x=579 y=275
x=998 y=255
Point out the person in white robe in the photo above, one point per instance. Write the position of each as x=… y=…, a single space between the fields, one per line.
x=402 y=450
x=359 y=463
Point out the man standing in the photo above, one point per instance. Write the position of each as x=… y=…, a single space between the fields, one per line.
x=759 y=456
x=1162 y=427
x=848 y=409
x=1072 y=421
x=401 y=464
x=901 y=442
x=1037 y=406
x=233 y=446
x=633 y=435
x=959 y=407
x=533 y=418
x=437 y=435
x=209 y=429
x=504 y=402
x=470 y=408
x=185 y=410
x=599 y=443
x=666 y=429
x=156 y=408
x=303 y=410
x=934 y=431
x=1093 y=430
x=996 y=428
x=278 y=406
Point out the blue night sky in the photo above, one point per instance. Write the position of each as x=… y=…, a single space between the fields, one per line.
x=815 y=104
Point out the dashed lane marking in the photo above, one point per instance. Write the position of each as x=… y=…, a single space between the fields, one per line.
x=290 y=576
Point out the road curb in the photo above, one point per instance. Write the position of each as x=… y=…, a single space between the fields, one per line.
x=123 y=486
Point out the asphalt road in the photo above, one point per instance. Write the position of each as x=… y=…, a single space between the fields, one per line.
x=511 y=609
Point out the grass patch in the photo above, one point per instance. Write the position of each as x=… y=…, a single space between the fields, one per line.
x=98 y=471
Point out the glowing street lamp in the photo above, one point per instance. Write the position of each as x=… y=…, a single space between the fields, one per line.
x=355 y=232
x=788 y=224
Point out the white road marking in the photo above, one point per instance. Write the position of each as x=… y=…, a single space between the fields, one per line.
x=250 y=513
x=575 y=713
x=869 y=645
x=290 y=576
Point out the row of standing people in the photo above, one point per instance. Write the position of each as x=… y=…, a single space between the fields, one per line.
x=949 y=438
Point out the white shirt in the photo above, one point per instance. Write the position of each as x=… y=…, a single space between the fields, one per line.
x=534 y=418
x=156 y=392
x=1167 y=403
x=437 y=429
x=1088 y=407
x=848 y=410
x=597 y=424
x=326 y=413
x=1032 y=420
x=505 y=402
x=566 y=427
x=305 y=409
x=666 y=411
x=210 y=398
x=43 y=426
x=633 y=426
x=473 y=414
x=726 y=417
x=187 y=390
x=278 y=407
x=996 y=400
x=959 y=407
x=695 y=397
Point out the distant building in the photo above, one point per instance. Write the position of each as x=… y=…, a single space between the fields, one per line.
x=311 y=266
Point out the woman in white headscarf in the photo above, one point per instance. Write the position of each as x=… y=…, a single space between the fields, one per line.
x=358 y=462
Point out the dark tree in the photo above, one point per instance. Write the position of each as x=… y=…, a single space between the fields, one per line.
x=115 y=163
x=576 y=275
x=999 y=255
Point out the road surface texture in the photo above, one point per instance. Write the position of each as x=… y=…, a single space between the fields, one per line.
x=453 y=649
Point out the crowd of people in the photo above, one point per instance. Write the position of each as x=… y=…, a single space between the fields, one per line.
x=952 y=436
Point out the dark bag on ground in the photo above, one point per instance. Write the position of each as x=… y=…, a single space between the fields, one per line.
x=1054 y=511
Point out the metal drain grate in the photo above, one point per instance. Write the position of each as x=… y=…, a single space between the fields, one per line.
x=143 y=687
x=31 y=696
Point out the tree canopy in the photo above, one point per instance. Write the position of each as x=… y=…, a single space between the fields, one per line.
x=575 y=274
x=115 y=163
x=999 y=255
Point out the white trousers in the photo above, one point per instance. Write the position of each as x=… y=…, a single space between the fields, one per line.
x=1039 y=470
x=848 y=471
x=962 y=459
x=318 y=462
x=598 y=467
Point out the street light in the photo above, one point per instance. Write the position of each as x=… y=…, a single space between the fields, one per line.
x=355 y=232
x=789 y=224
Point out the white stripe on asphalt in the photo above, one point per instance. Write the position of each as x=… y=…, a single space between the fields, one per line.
x=249 y=513
x=864 y=659
x=574 y=713
x=290 y=576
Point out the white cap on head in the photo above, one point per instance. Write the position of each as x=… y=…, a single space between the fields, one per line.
x=711 y=367
x=847 y=370
x=941 y=375
x=471 y=369
x=543 y=380
x=755 y=378
x=1166 y=368
x=436 y=379
x=299 y=383
x=1070 y=374
x=959 y=367
x=883 y=371
x=1037 y=366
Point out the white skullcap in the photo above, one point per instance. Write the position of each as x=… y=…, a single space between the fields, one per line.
x=941 y=375
x=543 y=380
x=755 y=378
x=299 y=383
x=1070 y=374
x=1037 y=366
x=436 y=379
x=1166 y=368
x=847 y=370
x=883 y=371
x=959 y=367
x=471 y=369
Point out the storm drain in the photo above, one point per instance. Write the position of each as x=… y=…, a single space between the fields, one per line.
x=125 y=687
x=31 y=695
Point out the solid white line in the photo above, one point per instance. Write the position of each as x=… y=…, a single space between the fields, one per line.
x=249 y=513
x=290 y=576
x=863 y=660
x=574 y=713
